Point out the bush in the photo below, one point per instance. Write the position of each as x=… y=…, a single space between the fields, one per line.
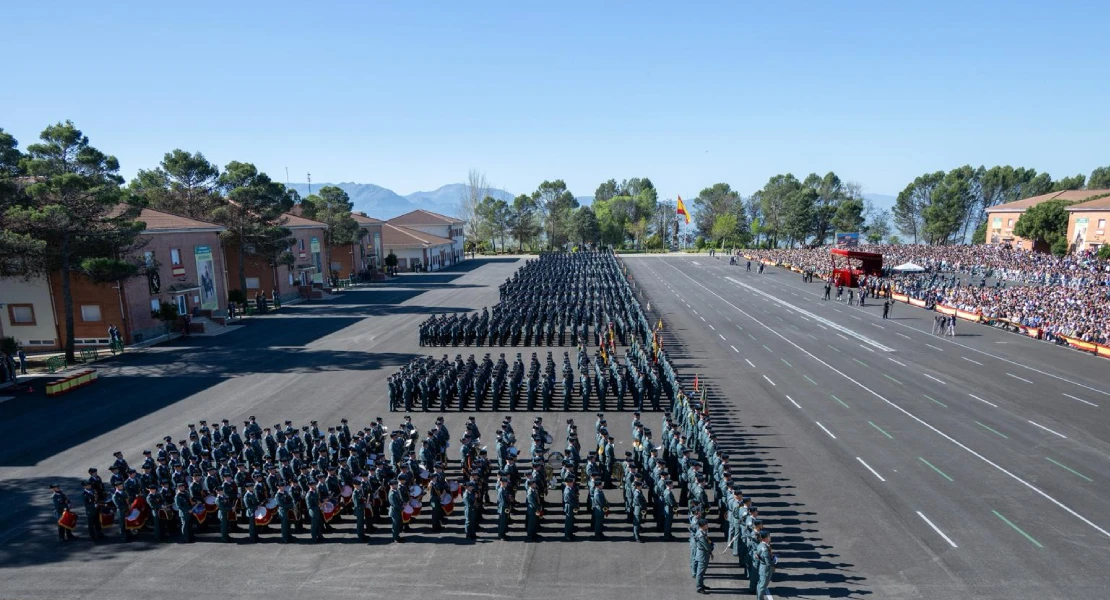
x=236 y=297
x=167 y=313
x=699 y=243
x=9 y=345
x=1060 y=246
x=1104 y=252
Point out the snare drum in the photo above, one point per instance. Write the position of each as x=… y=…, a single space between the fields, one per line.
x=453 y=486
x=406 y=513
x=346 y=493
x=330 y=509
x=271 y=505
x=417 y=506
x=135 y=519
x=262 y=517
x=107 y=516
x=68 y=519
x=547 y=439
x=210 y=505
x=199 y=513
x=425 y=477
x=416 y=491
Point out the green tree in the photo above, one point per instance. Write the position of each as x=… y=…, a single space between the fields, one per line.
x=1074 y=182
x=183 y=184
x=556 y=204
x=391 y=260
x=712 y=203
x=849 y=215
x=949 y=205
x=724 y=228
x=774 y=201
x=586 y=229
x=76 y=207
x=1099 y=180
x=495 y=215
x=522 y=223
x=878 y=228
x=980 y=234
x=20 y=253
x=801 y=204
x=607 y=190
x=1104 y=252
x=910 y=206
x=254 y=206
x=1044 y=224
x=332 y=206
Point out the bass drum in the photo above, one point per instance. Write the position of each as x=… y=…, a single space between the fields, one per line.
x=262 y=517
x=68 y=519
x=135 y=520
x=199 y=513
x=406 y=513
x=330 y=509
x=107 y=516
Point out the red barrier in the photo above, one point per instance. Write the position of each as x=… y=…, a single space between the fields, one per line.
x=945 y=310
x=967 y=316
x=900 y=297
x=917 y=303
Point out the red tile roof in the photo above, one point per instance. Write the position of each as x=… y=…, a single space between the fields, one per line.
x=298 y=222
x=1102 y=203
x=424 y=217
x=394 y=236
x=163 y=222
x=365 y=220
x=1067 y=195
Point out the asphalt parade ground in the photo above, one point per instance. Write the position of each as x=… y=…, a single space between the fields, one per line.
x=972 y=466
x=889 y=463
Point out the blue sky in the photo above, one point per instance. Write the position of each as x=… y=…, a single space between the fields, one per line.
x=410 y=95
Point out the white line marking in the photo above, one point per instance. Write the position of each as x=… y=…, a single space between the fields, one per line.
x=837 y=309
x=855 y=317
x=879 y=326
x=722 y=337
x=903 y=335
x=866 y=348
x=951 y=439
x=972 y=361
x=695 y=311
x=713 y=328
x=937 y=529
x=734 y=348
x=749 y=363
x=842 y=336
x=1019 y=378
x=895 y=362
x=822 y=326
x=934 y=347
x=702 y=318
x=1048 y=430
x=873 y=471
x=792 y=401
x=825 y=430
x=1081 y=400
x=803 y=318
x=983 y=401
x=934 y=379
x=769 y=380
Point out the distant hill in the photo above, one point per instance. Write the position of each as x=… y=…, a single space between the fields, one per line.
x=384 y=203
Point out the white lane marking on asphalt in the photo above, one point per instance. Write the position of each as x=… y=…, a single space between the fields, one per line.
x=934 y=347
x=825 y=430
x=702 y=318
x=983 y=401
x=934 y=378
x=1047 y=429
x=837 y=309
x=734 y=348
x=722 y=337
x=783 y=303
x=1081 y=400
x=895 y=362
x=855 y=317
x=866 y=348
x=803 y=317
x=972 y=361
x=873 y=471
x=1019 y=378
x=903 y=335
x=792 y=401
x=924 y=423
x=822 y=326
x=728 y=319
x=695 y=311
x=769 y=380
x=713 y=328
x=879 y=326
x=843 y=336
x=937 y=529
x=749 y=363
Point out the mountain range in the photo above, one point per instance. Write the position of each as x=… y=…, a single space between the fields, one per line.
x=384 y=203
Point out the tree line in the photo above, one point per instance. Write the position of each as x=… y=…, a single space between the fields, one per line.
x=65 y=208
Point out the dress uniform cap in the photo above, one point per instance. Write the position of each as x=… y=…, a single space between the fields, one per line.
x=92 y=469
x=55 y=486
x=702 y=522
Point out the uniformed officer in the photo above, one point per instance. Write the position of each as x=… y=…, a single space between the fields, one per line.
x=703 y=552
x=223 y=510
x=60 y=503
x=358 y=507
x=504 y=507
x=639 y=510
x=155 y=501
x=313 y=503
x=184 y=506
x=285 y=509
x=600 y=508
x=92 y=509
x=396 y=505
x=765 y=557
x=535 y=512
x=251 y=503
x=470 y=511
x=570 y=508
x=670 y=507
x=122 y=507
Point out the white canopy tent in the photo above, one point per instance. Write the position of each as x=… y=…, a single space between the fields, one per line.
x=908 y=268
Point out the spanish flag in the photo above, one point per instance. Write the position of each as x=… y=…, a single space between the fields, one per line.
x=682 y=210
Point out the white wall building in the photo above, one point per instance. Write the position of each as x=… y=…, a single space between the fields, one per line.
x=27 y=313
x=413 y=247
x=441 y=226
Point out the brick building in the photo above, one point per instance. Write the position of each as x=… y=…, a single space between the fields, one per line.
x=441 y=227
x=308 y=266
x=1002 y=217
x=1087 y=223
x=364 y=254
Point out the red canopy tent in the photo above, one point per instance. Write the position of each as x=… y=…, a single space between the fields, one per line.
x=854 y=264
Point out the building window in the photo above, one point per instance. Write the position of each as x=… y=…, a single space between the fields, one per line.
x=155 y=306
x=148 y=258
x=300 y=245
x=21 y=314
x=175 y=256
x=252 y=283
x=1102 y=223
x=1009 y=222
x=90 y=313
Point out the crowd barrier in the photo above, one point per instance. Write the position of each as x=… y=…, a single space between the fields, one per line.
x=1033 y=332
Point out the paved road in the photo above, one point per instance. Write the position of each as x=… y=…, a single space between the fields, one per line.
x=323 y=361
x=933 y=467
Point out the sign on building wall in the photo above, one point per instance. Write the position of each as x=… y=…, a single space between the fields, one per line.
x=206 y=274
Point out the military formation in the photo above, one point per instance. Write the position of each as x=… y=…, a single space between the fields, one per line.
x=559 y=299
x=232 y=484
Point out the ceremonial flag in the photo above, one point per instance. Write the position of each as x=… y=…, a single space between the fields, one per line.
x=681 y=210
